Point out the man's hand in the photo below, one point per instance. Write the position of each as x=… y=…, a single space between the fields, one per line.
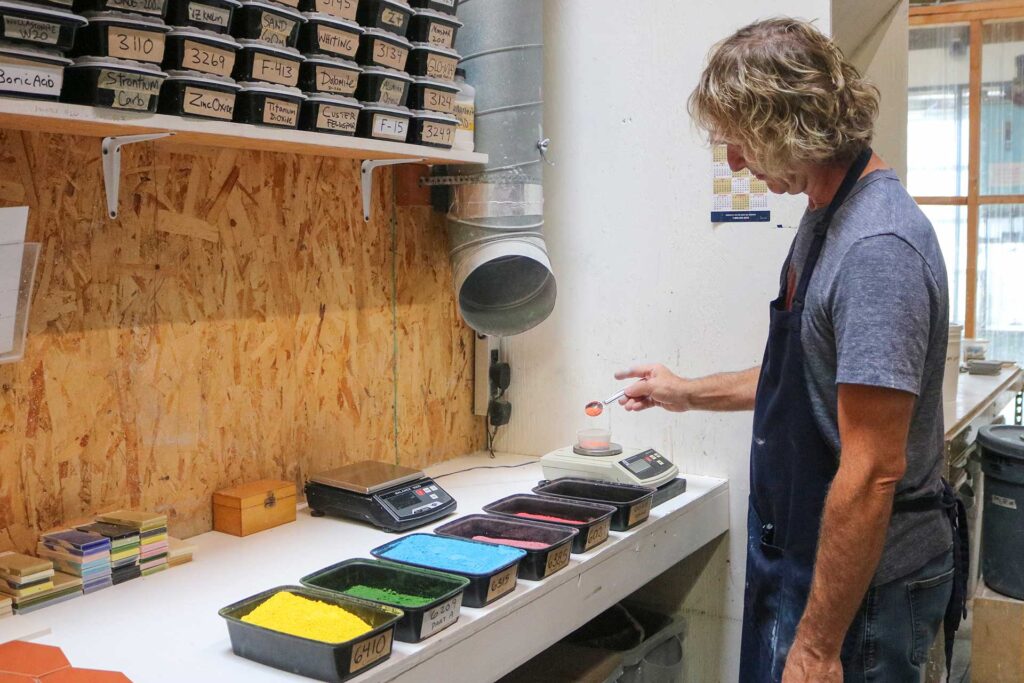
x=803 y=665
x=658 y=387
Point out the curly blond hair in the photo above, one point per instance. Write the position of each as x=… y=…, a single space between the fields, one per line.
x=784 y=92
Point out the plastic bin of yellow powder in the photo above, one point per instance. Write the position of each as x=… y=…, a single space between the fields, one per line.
x=310 y=632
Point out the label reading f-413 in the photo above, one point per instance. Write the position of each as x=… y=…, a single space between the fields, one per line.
x=275 y=70
x=20 y=28
x=366 y=652
x=207 y=14
x=440 y=617
x=210 y=103
x=502 y=583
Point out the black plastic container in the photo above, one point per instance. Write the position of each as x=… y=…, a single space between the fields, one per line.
x=632 y=503
x=56 y=4
x=322 y=113
x=419 y=623
x=389 y=15
x=323 y=34
x=312 y=658
x=433 y=129
x=433 y=61
x=385 y=86
x=46 y=27
x=329 y=75
x=268 y=104
x=258 y=61
x=594 y=519
x=538 y=564
x=192 y=94
x=380 y=48
x=482 y=589
x=195 y=49
x=209 y=15
x=268 y=21
x=384 y=122
x=432 y=95
x=122 y=35
x=343 y=9
x=446 y=6
x=153 y=8
x=112 y=83
x=436 y=28
x=31 y=72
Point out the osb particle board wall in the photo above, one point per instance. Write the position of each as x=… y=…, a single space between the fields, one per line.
x=238 y=320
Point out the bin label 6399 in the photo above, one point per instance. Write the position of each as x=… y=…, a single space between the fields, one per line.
x=366 y=652
x=440 y=617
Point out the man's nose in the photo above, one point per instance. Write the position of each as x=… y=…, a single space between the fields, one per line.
x=735 y=157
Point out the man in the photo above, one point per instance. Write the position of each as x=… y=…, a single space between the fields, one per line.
x=850 y=565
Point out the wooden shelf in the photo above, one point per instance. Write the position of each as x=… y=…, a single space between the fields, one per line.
x=74 y=119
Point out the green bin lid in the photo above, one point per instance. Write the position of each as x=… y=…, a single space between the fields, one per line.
x=1005 y=440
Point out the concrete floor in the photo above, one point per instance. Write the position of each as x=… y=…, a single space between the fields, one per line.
x=962 y=652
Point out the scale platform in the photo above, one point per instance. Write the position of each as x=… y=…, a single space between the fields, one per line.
x=646 y=467
x=388 y=496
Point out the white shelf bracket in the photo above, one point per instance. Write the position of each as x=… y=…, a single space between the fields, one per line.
x=111 y=148
x=366 y=179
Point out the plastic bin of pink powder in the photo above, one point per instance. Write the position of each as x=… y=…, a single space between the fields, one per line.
x=592 y=520
x=547 y=546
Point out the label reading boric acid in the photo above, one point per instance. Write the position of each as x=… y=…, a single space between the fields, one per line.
x=597 y=534
x=441 y=66
x=338 y=81
x=206 y=14
x=274 y=29
x=275 y=70
x=345 y=9
x=130 y=91
x=440 y=617
x=390 y=127
x=366 y=652
x=639 y=512
x=141 y=6
x=336 y=119
x=557 y=558
x=438 y=100
x=30 y=79
x=280 y=112
x=144 y=46
x=336 y=42
x=20 y=28
x=389 y=55
x=392 y=17
x=208 y=60
x=502 y=583
x=209 y=103
x=441 y=34
x=437 y=133
x=391 y=91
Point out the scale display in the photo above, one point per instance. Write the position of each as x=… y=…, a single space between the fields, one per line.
x=647 y=464
x=646 y=467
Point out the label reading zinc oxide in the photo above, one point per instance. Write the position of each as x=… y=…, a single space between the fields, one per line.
x=441 y=34
x=346 y=9
x=274 y=29
x=389 y=55
x=440 y=617
x=502 y=583
x=330 y=117
x=336 y=42
x=130 y=44
x=207 y=59
x=366 y=652
x=30 y=29
x=336 y=80
x=1004 y=502
x=390 y=127
x=597 y=534
x=141 y=6
x=439 y=66
x=280 y=112
x=208 y=103
x=29 y=79
x=205 y=14
x=438 y=133
x=557 y=558
x=391 y=91
x=266 y=68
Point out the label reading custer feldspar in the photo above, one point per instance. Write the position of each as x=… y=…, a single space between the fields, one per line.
x=336 y=42
x=339 y=119
x=280 y=112
x=202 y=102
x=339 y=81
x=205 y=14
x=21 y=28
x=281 y=71
x=30 y=79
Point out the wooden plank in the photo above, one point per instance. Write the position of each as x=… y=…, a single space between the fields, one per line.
x=960 y=7
x=973 y=179
x=997 y=638
x=965 y=17
x=941 y=201
x=1001 y=199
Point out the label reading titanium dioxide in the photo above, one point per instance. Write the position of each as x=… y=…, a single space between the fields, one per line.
x=597 y=534
x=336 y=42
x=441 y=34
x=466 y=113
x=502 y=583
x=205 y=14
x=341 y=119
x=438 y=133
x=145 y=46
x=142 y=6
x=210 y=103
x=274 y=29
x=440 y=617
x=440 y=66
x=1004 y=502
x=366 y=652
x=338 y=81
x=391 y=91
x=436 y=100
x=280 y=112
x=345 y=9
x=130 y=91
x=557 y=558
x=209 y=60
x=20 y=28
x=281 y=71
x=392 y=17
x=31 y=79
x=390 y=127
x=639 y=512
x=389 y=55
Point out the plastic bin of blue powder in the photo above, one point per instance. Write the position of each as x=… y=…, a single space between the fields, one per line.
x=491 y=569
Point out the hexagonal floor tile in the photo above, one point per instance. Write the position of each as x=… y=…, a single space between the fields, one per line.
x=34 y=659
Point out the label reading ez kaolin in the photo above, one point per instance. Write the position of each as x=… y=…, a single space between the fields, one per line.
x=597 y=534
x=211 y=103
x=129 y=90
x=275 y=70
x=207 y=14
x=280 y=112
x=20 y=28
x=366 y=652
x=274 y=29
x=340 y=119
x=336 y=42
x=557 y=558
x=440 y=617
x=339 y=81
x=206 y=59
x=144 y=46
x=502 y=583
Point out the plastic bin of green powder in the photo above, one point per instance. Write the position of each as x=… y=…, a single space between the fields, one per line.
x=593 y=520
x=301 y=609
x=491 y=569
x=547 y=546
x=632 y=503
x=431 y=600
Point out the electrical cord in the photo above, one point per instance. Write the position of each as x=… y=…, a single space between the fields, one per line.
x=484 y=467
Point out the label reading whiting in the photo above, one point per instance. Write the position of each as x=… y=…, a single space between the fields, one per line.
x=21 y=28
x=206 y=59
x=338 y=81
x=441 y=66
x=336 y=42
x=390 y=127
x=440 y=617
x=207 y=14
x=208 y=103
x=126 y=43
x=280 y=112
x=336 y=119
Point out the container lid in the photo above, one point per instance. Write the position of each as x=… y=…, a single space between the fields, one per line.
x=33 y=53
x=196 y=77
x=426 y=81
x=1006 y=440
x=270 y=88
x=140 y=20
x=333 y=21
x=253 y=44
x=115 y=63
x=387 y=109
x=337 y=62
x=438 y=16
x=385 y=71
x=430 y=47
x=254 y=493
x=403 y=4
x=203 y=34
x=384 y=35
x=434 y=116
x=339 y=100
x=233 y=3
x=63 y=15
x=272 y=6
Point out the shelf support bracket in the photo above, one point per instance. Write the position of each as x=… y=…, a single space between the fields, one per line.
x=111 y=148
x=366 y=179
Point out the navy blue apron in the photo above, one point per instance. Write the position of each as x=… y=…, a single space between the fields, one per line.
x=791 y=467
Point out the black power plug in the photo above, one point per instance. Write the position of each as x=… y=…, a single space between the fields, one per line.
x=499 y=412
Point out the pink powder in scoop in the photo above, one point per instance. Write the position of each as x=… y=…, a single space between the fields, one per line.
x=548 y=518
x=525 y=545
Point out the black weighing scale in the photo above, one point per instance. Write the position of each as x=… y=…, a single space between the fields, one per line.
x=390 y=497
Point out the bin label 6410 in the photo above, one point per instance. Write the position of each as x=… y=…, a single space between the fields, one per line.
x=440 y=617
x=366 y=652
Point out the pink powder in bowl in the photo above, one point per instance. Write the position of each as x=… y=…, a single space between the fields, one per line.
x=525 y=545
x=548 y=518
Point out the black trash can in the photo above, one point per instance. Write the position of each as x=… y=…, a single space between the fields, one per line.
x=1002 y=530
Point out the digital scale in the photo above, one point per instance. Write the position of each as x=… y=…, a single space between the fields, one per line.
x=612 y=463
x=390 y=497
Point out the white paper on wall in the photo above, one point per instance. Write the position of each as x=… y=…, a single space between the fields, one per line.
x=13 y=222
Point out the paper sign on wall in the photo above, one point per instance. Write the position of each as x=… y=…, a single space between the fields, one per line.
x=12 y=247
x=738 y=197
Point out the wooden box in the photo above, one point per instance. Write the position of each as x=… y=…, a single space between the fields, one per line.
x=247 y=508
x=997 y=638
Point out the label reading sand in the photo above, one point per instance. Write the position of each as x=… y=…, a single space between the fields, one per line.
x=336 y=80
x=274 y=29
x=441 y=34
x=141 y=6
x=391 y=91
x=267 y=68
x=336 y=42
x=597 y=534
x=390 y=127
x=31 y=79
x=346 y=9
x=441 y=617
x=280 y=112
x=127 y=43
x=366 y=652
x=441 y=66
x=557 y=558
x=1003 y=502
x=21 y=28
x=389 y=55
x=209 y=103
x=392 y=17
x=205 y=14
x=436 y=100
x=209 y=60
x=442 y=134
x=639 y=512
x=338 y=119
x=130 y=91
x=502 y=583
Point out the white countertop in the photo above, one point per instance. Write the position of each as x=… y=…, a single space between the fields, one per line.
x=975 y=393
x=165 y=627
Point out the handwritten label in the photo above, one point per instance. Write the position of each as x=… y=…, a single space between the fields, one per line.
x=639 y=512
x=142 y=6
x=597 y=534
x=389 y=127
x=447 y=3
x=62 y=3
x=336 y=119
x=441 y=66
x=145 y=46
x=557 y=558
x=31 y=79
x=441 y=34
x=336 y=41
x=441 y=617
x=1004 y=502
x=392 y=90
x=206 y=14
x=366 y=652
x=21 y=28
x=502 y=583
x=209 y=103
x=438 y=100
x=290 y=3
x=433 y=133
x=274 y=69
x=280 y=112
x=389 y=55
x=209 y=60
x=336 y=80
x=275 y=29
x=392 y=17
x=130 y=82
x=346 y=9
x=466 y=113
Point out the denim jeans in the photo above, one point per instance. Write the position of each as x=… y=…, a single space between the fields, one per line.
x=894 y=629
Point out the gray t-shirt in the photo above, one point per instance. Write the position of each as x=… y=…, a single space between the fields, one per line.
x=876 y=313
